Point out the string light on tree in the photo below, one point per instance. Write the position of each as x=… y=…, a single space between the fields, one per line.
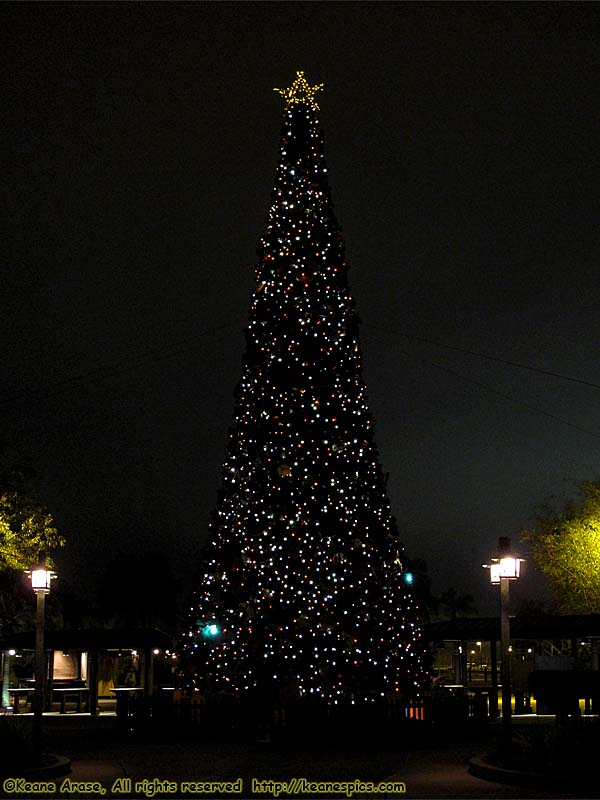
x=303 y=578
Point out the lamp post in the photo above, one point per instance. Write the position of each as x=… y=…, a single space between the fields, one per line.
x=503 y=569
x=41 y=578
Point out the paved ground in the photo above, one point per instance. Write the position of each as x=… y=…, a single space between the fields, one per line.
x=98 y=752
x=425 y=773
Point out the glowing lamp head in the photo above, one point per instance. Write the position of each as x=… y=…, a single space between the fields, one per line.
x=506 y=565
x=510 y=567
x=409 y=578
x=41 y=576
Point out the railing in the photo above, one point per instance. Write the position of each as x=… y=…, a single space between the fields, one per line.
x=226 y=716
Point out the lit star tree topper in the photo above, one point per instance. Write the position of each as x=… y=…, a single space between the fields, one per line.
x=300 y=92
x=303 y=584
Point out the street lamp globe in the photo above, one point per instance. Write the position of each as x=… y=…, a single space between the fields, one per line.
x=41 y=578
x=506 y=565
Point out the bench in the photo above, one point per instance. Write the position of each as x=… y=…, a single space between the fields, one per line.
x=17 y=694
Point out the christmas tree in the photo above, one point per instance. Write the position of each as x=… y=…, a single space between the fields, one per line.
x=304 y=584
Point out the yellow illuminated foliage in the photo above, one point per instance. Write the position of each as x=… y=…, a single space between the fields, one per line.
x=566 y=548
x=26 y=528
x=300 y=92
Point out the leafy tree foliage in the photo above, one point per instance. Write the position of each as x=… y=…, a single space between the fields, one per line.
x=533 y=607
x=565 y=545
x=17 y=609
x=26 y=527
x=456 y=604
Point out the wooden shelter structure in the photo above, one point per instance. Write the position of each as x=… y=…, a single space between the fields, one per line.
x=555 y=658
x=87 y=651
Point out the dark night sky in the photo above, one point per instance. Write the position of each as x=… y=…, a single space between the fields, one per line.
x=463 y=145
